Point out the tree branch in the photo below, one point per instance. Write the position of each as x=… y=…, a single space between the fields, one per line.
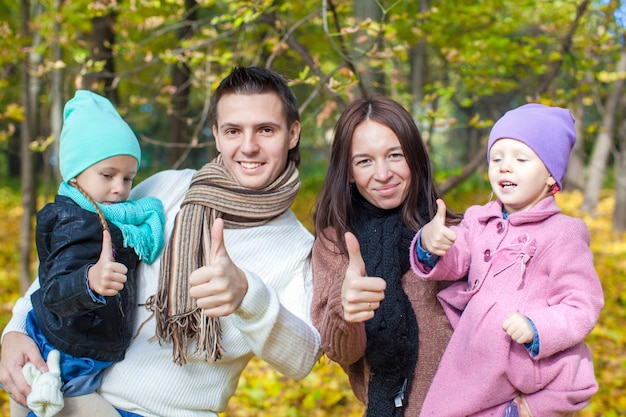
x=565 y=49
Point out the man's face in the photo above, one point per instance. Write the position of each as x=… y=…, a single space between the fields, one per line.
x=252 y=135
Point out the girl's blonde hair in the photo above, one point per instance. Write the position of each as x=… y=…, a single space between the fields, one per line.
x=103 y=220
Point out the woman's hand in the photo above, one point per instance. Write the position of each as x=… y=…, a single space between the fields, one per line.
x=360 y=295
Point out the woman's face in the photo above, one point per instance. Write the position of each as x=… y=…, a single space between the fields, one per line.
x=378 y=167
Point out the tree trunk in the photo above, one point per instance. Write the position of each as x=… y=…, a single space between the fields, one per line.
x=373 y=80
x=27 y=131
x=179 y=129
x=573 y=180
x=602 y=148
x=418 y=71
x=56 y=110
x=101 y=49
x=619 y=212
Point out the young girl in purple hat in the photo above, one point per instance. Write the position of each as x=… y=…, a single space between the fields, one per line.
x=531 y=294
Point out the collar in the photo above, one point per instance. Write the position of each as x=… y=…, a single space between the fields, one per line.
x=541 y=211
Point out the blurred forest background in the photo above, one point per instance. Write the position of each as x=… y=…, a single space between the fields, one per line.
x=456 y=65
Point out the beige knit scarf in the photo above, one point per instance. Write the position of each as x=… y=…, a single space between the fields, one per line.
x=213 y=193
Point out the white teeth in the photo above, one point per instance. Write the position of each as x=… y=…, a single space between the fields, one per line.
x=507 y=184
x=250 y=165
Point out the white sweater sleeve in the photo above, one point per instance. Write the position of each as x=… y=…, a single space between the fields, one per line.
x=283 y=338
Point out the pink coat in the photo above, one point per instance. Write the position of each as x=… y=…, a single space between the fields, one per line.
x=538 y=263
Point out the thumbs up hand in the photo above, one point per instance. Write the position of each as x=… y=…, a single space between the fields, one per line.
x=107 y=277
x=436 y=237
x=220 y=286
x=360 y=295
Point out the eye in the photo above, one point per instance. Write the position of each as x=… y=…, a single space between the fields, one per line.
x=396 y=156
x=128 y=179
x=107 y=175
x=266 y=130
x=362 y=162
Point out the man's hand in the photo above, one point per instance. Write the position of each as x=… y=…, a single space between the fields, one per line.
x=107 y=277
x=219 y=287
x=360 y=295
x=17 y=350
x=518 y=327
x=436 y=237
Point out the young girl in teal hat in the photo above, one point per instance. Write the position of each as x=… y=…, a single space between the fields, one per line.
x=89 y=242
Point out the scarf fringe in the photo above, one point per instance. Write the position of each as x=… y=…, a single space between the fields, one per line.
x=193 y=325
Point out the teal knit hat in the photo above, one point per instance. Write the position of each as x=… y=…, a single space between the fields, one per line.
x=92 y=132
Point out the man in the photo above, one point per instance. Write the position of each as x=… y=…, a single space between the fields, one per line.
x=239 y=250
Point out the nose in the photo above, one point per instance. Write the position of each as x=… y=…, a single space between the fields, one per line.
x=250 y=144
x=382 y=172
x=118 y=186
x=505 y=165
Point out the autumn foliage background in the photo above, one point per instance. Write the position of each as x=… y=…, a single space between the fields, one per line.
x=326 y=392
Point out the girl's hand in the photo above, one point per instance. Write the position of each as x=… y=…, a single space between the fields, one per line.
x=518 y=327
x=436 y=237
x=107 y=277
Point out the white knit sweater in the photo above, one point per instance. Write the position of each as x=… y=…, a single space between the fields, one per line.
x=273 y=321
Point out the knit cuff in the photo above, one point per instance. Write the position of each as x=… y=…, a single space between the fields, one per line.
x=343 y=342
x=256 y=300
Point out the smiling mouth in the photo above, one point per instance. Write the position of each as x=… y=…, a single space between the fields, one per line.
x=507 y=184
x=386 y=188
x=250 y=165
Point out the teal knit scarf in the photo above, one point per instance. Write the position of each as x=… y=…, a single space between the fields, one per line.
x=141 y=221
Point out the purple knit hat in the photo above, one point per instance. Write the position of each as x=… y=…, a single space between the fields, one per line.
x=548 y=131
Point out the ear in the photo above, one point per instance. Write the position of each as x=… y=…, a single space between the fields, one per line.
x=294 y=134
x=216 y=136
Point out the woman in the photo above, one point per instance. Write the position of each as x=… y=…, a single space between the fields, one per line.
x=381 y=323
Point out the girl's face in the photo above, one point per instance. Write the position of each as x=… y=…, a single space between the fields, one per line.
x=378 y=167
x=109 y=181
x=517 y=176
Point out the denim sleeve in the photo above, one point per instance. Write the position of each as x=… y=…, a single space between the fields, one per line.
x=95 y=297
x=533 y=346
x=426 y=258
